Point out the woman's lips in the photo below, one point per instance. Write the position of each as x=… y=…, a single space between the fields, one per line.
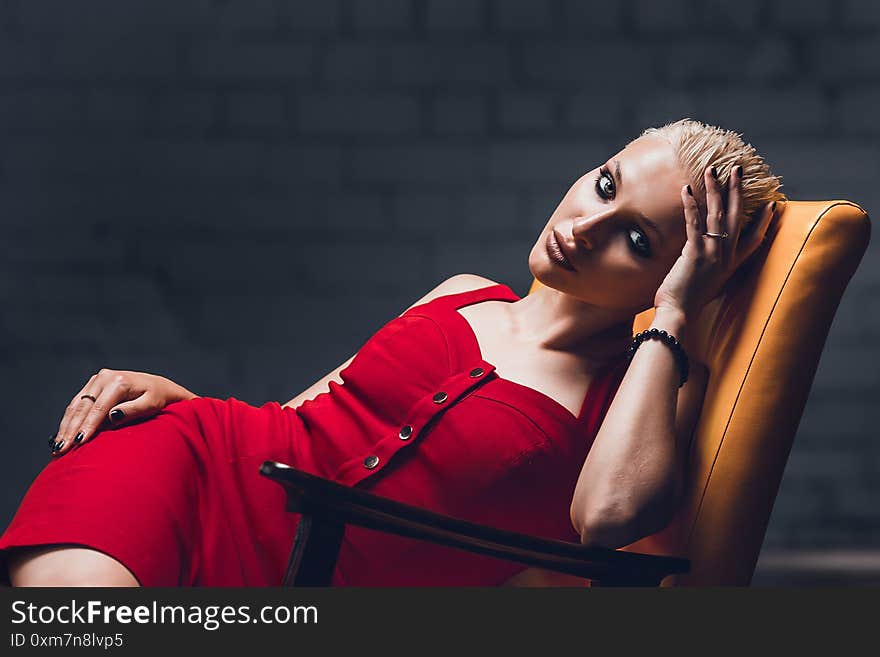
x=557 y=255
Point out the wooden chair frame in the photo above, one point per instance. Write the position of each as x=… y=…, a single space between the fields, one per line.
x=326 y=507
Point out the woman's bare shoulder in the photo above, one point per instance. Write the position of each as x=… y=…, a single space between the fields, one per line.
x=464 y=283
x=454 y=285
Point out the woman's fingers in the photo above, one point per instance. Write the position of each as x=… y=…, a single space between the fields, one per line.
x=115 y=390
x=112 y=398
x=140 y=407
x=734 y=208
x=714 y=211
x=692 y=223
x=71 y=435
x=120 y=414
x=77 y=411
x=75 y=406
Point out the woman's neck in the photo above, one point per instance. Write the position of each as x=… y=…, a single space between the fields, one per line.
x=549 y=319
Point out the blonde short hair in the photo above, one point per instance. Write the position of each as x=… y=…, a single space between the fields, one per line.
x=698 y=145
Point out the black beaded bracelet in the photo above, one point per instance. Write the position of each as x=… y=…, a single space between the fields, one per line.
x=680 y=357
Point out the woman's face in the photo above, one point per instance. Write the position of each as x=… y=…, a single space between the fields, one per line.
x=603 y=225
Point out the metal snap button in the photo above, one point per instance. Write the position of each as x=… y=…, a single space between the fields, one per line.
x=440 y=397
x=477 y=371
x=405 y=433
x=371 y=461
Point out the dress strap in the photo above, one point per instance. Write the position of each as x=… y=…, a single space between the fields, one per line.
x=443 y=310
x=456 y=300
x=496 y=291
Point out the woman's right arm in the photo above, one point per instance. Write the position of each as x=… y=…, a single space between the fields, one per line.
x=452 y=285
x=118 y=396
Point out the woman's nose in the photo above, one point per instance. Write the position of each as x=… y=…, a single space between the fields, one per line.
x=586 y=228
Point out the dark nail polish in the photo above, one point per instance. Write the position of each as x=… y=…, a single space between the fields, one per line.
x=739 y=173
x=773 y=207
x=690 y=191
x=78 y=438
x=57 y=446
x=52 y=439
x=713 y=172
x=116 y=415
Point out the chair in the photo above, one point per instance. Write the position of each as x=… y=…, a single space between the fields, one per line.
x=761 y=340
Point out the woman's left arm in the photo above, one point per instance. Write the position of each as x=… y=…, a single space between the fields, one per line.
x=631 y=482
x=687 y=410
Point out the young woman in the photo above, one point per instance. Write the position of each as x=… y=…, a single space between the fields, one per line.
x=538 y=414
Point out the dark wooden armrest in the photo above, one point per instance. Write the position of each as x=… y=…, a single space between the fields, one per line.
x=326 y=507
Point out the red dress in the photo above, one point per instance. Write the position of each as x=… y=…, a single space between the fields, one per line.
x=420 y=417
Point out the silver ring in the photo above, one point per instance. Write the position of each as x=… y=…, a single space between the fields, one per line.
x=92 y=397
x=721 y=235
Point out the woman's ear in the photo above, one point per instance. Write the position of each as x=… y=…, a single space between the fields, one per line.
x=749 y=224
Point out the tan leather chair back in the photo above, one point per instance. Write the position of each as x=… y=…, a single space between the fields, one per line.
x=761 y=340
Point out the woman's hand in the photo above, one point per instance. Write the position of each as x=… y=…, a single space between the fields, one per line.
x=117 y=397
x=707 y=262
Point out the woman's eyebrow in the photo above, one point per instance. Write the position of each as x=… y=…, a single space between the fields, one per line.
x=653 y=226
x=618 y=179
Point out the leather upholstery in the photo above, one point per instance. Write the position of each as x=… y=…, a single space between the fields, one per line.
x=761 y=340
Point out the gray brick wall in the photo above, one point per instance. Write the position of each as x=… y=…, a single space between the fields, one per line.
x=169 y=172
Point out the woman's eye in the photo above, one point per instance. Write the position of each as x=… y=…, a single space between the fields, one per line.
x=605 y=188
x=640 y=244
x=605 y=184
